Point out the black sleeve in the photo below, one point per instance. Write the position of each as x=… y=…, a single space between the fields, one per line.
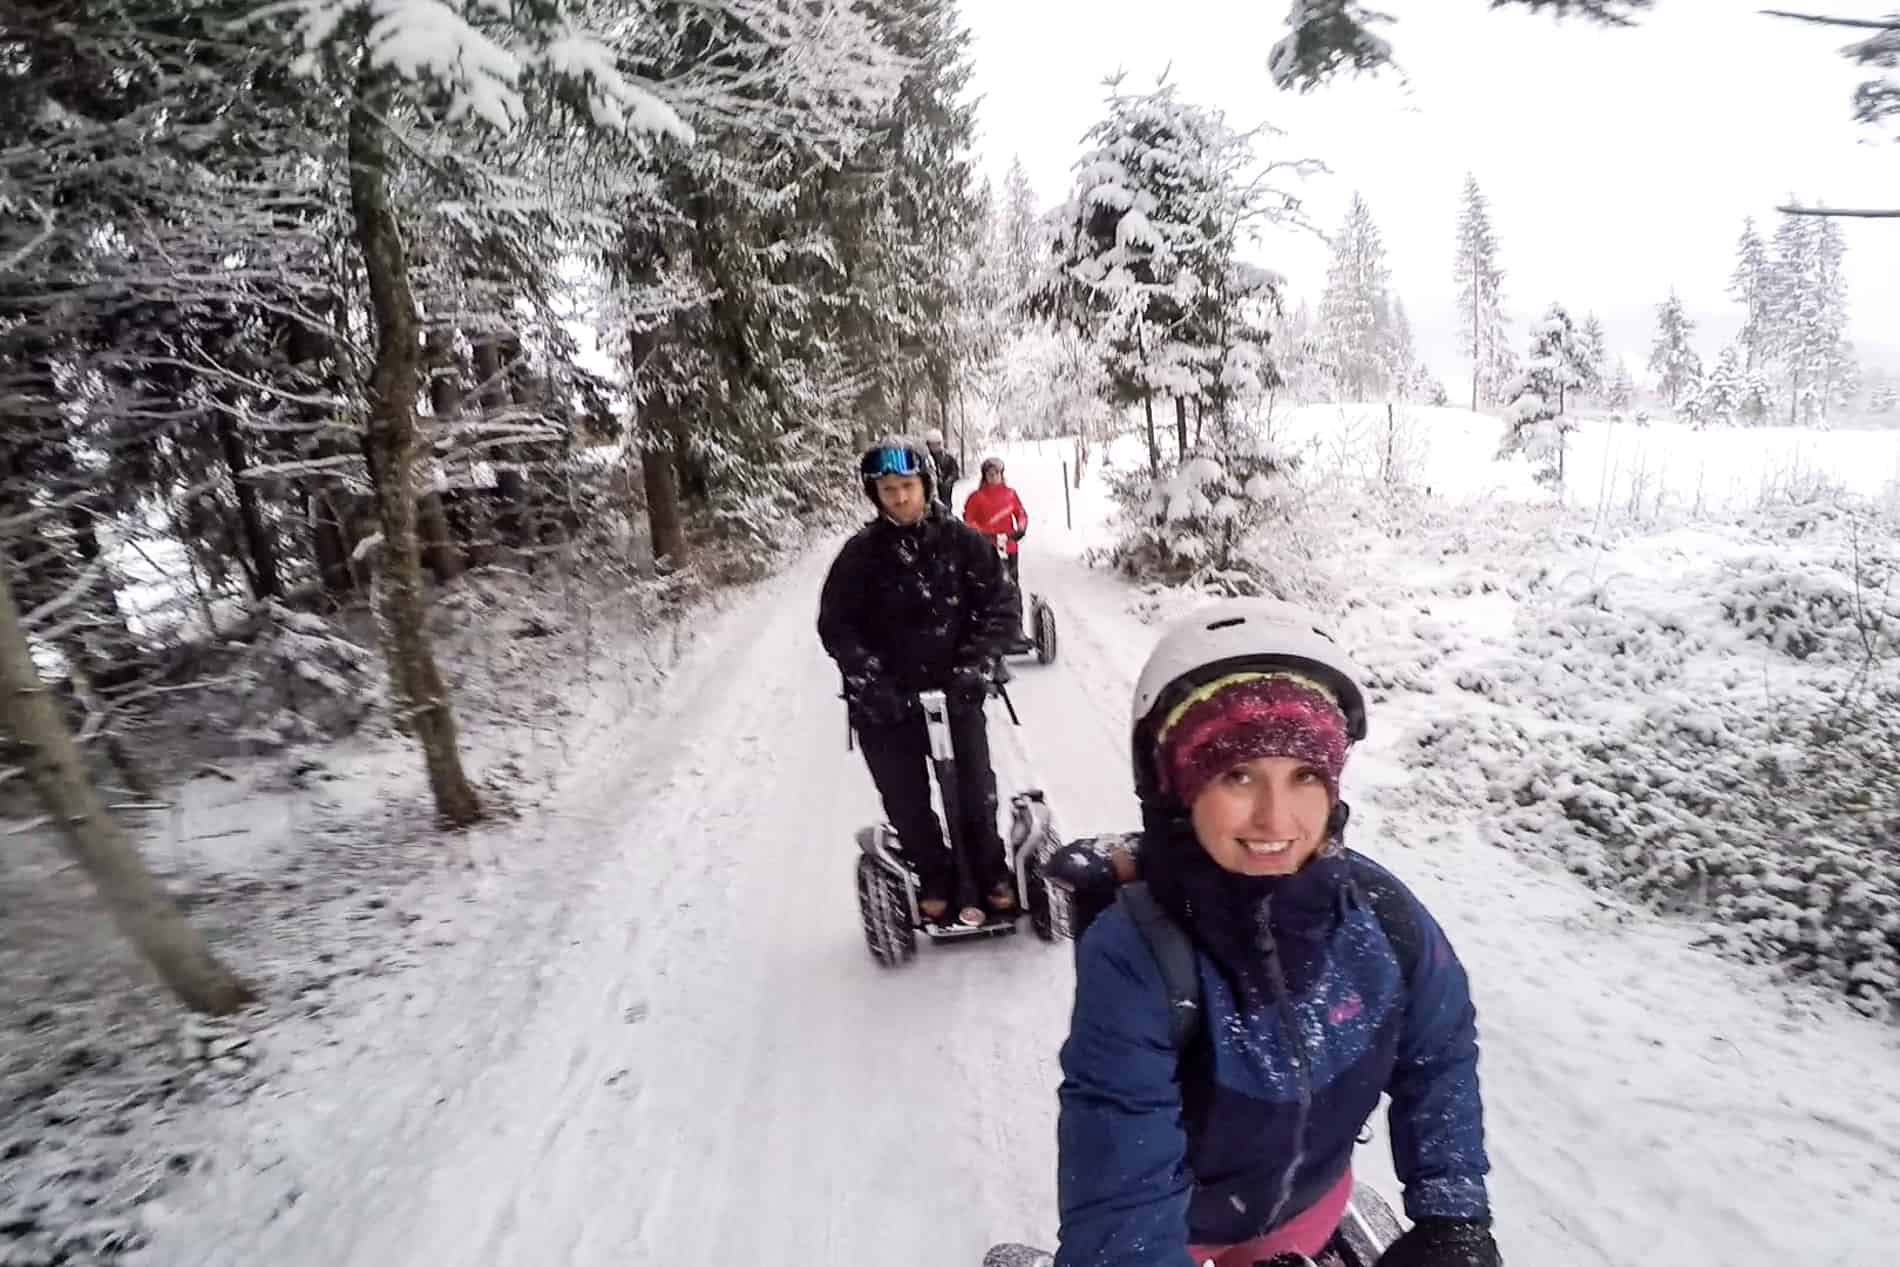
x=841 y=615
x=996 y=613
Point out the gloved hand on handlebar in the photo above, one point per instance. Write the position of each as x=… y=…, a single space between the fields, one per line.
x=969 y=683
x=1436 y=1242
x=875 y=700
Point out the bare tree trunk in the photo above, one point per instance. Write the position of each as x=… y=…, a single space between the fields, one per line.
x=491 y=361
x=142 y=910
x=665 y=524
x=1477 y=352
x=1391 y=458
x=539 y=497
x=389 y=443
x=439 y=548
x=1180 y=428
x=257 y=539
x=322 y=500
x=1154 y=446
x=326 y=530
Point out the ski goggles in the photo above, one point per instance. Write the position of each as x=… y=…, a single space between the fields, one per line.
x=890 y=459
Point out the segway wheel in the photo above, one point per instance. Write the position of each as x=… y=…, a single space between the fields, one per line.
x=1045 y=633
x=885 y=914
x=1036 y=901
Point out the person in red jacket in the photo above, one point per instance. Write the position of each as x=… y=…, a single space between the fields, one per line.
x=995 y=510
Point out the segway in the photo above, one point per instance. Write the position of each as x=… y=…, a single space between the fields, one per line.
x=888 y=882
x=1042 y=617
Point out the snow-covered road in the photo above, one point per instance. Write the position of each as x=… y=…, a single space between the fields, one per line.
x=659 y=1038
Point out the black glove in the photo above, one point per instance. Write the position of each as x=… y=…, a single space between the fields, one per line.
x=875 y=700
x=1018 y=534
x=969 y=683
x=1436 y=1242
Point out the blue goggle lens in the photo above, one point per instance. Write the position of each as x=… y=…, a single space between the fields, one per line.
x=891 y=460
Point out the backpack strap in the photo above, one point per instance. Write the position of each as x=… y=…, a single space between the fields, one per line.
x=1174 y=953
x=1380 y=893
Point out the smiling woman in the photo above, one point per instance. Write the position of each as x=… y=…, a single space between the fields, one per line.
x=1324 y=984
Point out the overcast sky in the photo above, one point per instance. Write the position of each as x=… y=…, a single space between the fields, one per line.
x=1617 y=163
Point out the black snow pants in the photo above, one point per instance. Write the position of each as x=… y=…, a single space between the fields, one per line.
x=899 y=760
x=1015 y=570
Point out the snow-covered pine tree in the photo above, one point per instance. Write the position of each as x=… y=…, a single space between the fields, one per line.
x=1400 y=354
x=931 y=196
x=1480 y=280
x=1125 y=236
x=753 y=279
x=1671 y=357
x=1323 y=36
x=1145 y=245
x=1722 y=392
x=1021 y=235
x=1752 y=285
x=1620 y=390
x=1297 y=356
x=1809 y=291
x=1558 y=356
x=1355 y=312
x=1534 y=424
x=1326 y=36
x=1595 y=353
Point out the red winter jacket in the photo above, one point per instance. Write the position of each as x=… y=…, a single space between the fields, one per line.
x=995 y=508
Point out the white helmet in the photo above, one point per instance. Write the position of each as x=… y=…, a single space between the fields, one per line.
x=1233 y=636
x=933 y=436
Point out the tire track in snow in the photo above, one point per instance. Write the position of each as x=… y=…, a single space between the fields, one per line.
x=394 y=1122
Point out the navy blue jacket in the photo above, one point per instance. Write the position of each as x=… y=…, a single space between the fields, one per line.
x=1142 y=1175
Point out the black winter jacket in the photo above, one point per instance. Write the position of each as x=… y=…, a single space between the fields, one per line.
x=910 y=605
x=949 y=471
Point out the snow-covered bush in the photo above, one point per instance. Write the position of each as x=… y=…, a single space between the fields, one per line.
x=300 y=680
x=1844 y=611
x=1632 y=730
x=1780 y=825
x=1191 y=527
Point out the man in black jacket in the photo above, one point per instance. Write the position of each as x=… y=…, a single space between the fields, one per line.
x=918 y=601
x=948 y=471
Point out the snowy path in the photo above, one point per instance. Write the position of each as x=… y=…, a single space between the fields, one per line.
x=664 y=1042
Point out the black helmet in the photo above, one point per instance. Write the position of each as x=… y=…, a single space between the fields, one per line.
x=897 y=455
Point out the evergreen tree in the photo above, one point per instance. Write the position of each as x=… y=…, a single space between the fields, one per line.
x=1595 y=356
x=1021 y=235
x=1722 y=392
x=1559 y=358
x=1620 y=390
x=1297 y=355
x=1671 y=357
x=1146 y=263
x=1752 y=286
x=1355 y=312
x=1809 y=307
x=1481 y=325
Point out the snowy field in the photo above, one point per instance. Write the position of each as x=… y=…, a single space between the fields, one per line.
x=636 y=1023
x=1614 y=469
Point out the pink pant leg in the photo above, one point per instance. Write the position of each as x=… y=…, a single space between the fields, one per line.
x=1305 y=1233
